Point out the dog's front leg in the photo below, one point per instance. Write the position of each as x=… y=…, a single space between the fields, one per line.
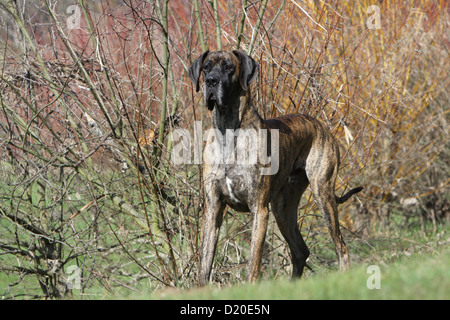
x=210 y=234
x=260 y=221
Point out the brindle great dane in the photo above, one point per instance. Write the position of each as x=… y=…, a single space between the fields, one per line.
x=308 y=155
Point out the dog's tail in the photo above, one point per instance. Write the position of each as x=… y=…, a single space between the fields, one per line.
x=347 y=196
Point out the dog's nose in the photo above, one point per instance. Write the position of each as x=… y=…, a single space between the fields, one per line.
x=212 y=80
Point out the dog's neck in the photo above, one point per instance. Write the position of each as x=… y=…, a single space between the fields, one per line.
x=239 y=113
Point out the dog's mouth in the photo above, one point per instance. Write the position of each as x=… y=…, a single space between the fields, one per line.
x=211 y=100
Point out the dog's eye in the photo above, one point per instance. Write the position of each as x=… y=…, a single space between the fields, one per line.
x=228 y=67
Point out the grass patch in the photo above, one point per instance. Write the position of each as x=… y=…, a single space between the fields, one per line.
x=422 y=276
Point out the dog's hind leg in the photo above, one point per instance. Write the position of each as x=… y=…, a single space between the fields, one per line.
x=322 y=186
x=285 y=207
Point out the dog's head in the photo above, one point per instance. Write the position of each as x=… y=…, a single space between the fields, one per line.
x=227 y=74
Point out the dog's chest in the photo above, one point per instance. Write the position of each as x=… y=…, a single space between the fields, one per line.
x=236 y=187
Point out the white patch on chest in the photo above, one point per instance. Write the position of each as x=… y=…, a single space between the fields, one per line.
x=230 y=191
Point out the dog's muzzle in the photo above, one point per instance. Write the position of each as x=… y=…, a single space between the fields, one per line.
x=212 y=91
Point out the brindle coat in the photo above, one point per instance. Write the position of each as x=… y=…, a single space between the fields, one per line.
x=308 y=155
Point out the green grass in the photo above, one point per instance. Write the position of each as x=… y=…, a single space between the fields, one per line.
x=422 y=276
x=413 y=262
x=412 y=265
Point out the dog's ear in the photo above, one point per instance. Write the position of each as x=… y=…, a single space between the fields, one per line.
x=195 y=70
x=249 y=69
